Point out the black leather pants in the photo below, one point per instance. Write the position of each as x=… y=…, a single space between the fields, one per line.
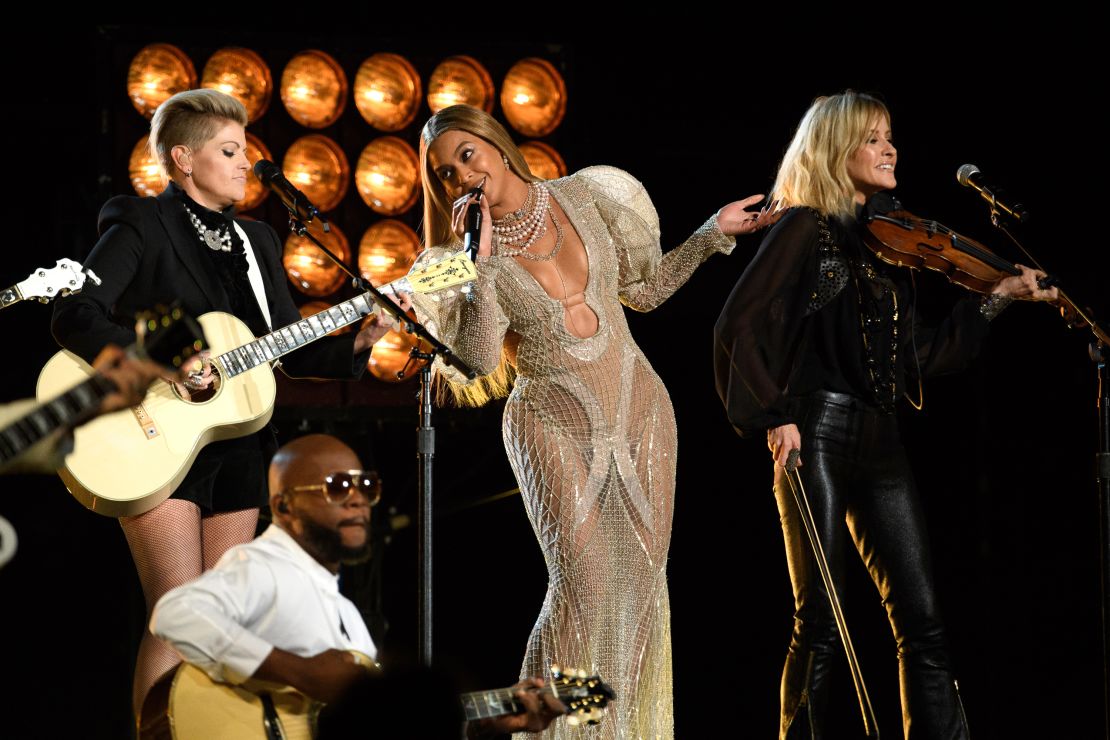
x=854 y=469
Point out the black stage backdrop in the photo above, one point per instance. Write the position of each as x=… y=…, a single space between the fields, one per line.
x=1003 y=452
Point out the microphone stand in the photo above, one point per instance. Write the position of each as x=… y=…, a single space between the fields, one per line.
x=1099 y=352
x=425 y=432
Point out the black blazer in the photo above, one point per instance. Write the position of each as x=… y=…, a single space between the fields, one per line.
x=148 y=254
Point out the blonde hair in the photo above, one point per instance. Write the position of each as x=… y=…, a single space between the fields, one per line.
x=438 y=231
x=191 y=118
x=814 y=170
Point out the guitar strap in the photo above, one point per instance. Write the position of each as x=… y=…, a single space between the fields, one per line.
x=271 y=723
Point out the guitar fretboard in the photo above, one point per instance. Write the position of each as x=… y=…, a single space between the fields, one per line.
x=270 y=347
x=483 y=704
x=64 y=410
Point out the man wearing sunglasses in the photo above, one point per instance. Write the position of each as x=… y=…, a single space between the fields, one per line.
x=271 y=609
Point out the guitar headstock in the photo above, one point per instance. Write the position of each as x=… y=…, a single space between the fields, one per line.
x=60 y=280
x=445 y=273
x=584 y=695
x=169 y=336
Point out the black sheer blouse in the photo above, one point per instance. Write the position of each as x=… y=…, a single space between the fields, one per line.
x=814 y=310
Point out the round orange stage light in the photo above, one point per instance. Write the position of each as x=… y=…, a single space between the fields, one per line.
x=543 y=160
x=387 y=91
x=310 y=270
x=534 y=97
x=387 y=251
x=460 y=80
x=243 y=75
x=158 y=72
x=315 y=307
x=144 y=171
x=314 y=89
x=256 y=191
x=390 y=354
x=388 y=175
x=319 y=168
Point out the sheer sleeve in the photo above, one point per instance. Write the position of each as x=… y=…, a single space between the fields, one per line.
x=759 y=333
x=473 y=326
x=950 y=346
x=646 y=276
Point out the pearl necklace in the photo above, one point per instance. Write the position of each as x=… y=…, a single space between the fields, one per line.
x=216 y=240
x=523 y=251
x=524 y=227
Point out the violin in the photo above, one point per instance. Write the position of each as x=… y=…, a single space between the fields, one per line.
x=900 y=238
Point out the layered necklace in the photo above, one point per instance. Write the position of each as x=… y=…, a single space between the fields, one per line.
x=516 y=232
x=218 y=239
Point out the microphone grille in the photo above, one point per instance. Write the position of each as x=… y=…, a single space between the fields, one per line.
x=965 y=173
x=264 y=169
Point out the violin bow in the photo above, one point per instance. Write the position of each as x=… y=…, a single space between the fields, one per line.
x=870 y=727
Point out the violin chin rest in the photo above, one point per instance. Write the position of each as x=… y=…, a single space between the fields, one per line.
x=880 y=204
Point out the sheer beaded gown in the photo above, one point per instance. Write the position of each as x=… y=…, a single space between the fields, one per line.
x=590 y=434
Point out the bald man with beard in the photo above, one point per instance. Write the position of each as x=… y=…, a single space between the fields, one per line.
x=271 y=609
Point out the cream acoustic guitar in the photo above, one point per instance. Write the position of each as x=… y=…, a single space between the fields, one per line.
x=166 y=336
x=128 y=462
x=191 y=706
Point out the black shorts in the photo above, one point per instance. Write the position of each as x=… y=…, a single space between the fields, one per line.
x=229 y=475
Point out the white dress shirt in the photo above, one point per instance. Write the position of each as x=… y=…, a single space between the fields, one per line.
x=267 y=593
x=254 y=275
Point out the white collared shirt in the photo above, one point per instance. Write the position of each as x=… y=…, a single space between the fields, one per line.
x=254 y=275
x=267 y=593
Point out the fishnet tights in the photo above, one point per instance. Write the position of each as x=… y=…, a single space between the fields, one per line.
x=171 y=545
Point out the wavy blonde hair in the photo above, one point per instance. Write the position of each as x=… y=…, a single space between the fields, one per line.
x=814 y=170
x=438 y=232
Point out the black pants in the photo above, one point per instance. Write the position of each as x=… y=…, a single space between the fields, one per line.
x=855 y=470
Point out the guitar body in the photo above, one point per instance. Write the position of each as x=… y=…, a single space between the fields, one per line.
x=189 y=705
x=198 y=708
x=127 y=462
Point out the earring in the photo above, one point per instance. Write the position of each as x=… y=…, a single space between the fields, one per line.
x=505 y=159
x=188 y=173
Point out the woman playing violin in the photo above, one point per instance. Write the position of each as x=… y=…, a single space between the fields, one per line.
x=814 y=347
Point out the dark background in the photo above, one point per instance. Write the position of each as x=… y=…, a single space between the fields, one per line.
x=1003 y=451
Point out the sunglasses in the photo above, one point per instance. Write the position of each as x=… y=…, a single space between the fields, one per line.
x=338 y=487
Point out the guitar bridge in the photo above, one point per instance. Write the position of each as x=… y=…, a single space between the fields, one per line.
x=150 y=429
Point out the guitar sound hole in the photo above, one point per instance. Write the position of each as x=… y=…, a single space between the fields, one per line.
x=203 y=394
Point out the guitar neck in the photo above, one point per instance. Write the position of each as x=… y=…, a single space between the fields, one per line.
x=485 y=704
x=67 y=409
x=270 y=347
x=454 y=270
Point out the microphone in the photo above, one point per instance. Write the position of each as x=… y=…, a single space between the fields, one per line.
x=297 y=202
x=473 y=225
x=970 y=177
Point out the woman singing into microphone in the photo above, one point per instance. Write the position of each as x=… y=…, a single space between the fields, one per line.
x=588 y=427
